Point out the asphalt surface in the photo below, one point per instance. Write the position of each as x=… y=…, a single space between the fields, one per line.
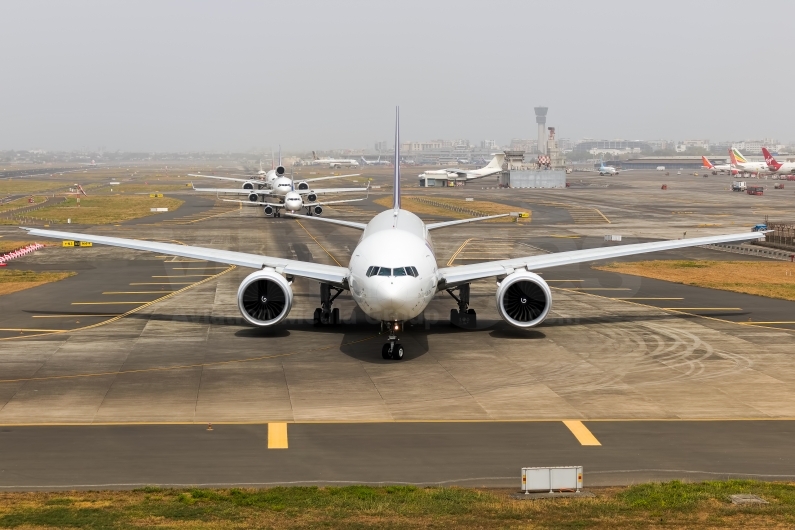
x=465 y=454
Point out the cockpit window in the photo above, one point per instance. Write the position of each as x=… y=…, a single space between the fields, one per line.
x=400 y=271
x=385 y=271
x=411 y=271
x=372 y=271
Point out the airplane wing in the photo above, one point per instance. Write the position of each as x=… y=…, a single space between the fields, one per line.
x=233 y=179
x=465 y=273
x=325 y=203
x=331 y=190
x=349 y=224
x=255 y=203
x=304 y=269
x=234 y=191
x=331 y=177
x=434 y=226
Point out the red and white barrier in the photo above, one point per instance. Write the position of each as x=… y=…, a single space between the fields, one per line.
x=18 y=253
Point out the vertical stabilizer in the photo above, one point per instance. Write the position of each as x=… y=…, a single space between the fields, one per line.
x=739 y=156
x=396 y=200
x=280 y=154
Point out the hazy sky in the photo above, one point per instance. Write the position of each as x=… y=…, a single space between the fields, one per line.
x=179 y=75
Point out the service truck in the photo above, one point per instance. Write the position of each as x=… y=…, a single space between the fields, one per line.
x=739 y=186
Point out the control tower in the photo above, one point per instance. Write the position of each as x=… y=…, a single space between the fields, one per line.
x=541 y=120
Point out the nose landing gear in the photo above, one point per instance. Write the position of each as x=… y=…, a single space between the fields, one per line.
x=392 y=349
x=325 y=314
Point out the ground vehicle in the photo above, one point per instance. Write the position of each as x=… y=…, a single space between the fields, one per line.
x=759 y=228
x=755 y=190
x=739 y=186
x=779 y=186
x=660 y=168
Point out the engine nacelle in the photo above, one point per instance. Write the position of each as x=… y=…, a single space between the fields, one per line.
x=268 y=210
x=253 y=197
x=280 y=170
x=248 y=185
x=312 y=197
x=524 y=299
x=303 y=185
x=318 y=210
x=265 y=298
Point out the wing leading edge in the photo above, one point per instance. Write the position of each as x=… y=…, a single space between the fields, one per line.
x=450 y=276
x=315 y=271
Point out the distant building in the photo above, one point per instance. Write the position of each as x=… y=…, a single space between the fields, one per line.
x=489 y=144
x=614 y=146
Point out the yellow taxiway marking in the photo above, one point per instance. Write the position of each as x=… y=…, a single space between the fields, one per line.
x=105 y=303
x=581 y=432
x=137 y=292
x=164 y=283
x=70 y=316
x=32 y=329
x=752 y=323
x=457 y=252
x=704 y=308
x=318 y=242
x=186 y=276
x=277 y=436
x=639 y=298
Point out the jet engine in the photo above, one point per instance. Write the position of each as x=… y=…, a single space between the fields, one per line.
x=303 y=185
x=318 y=210
x=523 y=299
x=264 y=298
x=248 y=185
x=268 y=210
x=253 y=197
x=312 y=197
x=280 y=170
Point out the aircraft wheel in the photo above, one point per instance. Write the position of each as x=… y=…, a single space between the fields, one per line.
x=397 y=352
x=316 y=317
x=385 y=351
x=335 y=316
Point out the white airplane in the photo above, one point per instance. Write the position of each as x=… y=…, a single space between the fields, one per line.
x=727 y=168
x=334 y=162
x=607 y=170
x=779 y=168
x=378 y=162
x=744 y=166
x=393 y=274
x=492 y=168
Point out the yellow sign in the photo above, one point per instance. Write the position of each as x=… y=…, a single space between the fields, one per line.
x=156 y=195
x=524 y=214
x=86 y=244
x=68 y=243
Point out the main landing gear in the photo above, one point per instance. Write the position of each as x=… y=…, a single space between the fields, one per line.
x=464 y=316
x=392 y=349
x=325 y=314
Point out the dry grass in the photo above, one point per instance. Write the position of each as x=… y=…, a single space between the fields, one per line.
x=12 y=280
x=21 y=203
x=105 y=209
x=13 y=186
x=763 y=278
x=448 y=210
x=670 y=505
x=152 y=187
x=9 y=245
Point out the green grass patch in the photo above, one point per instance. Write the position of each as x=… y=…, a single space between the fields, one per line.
x=671 y=504
x=14 y=186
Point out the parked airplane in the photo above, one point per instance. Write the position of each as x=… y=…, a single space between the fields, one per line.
x=492 y=168
x=607 y=170
x=393 y=274
x=293 y=202
x=722 y=168
x=378 y=162
x=778 y=168
x=744 y=166
x=334 y=162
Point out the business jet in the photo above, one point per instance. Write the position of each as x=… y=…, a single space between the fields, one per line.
x=334 y=162
x=722 y=168
x=378 y=162
x=492 y=168
x=778 y=168
x=392 y=273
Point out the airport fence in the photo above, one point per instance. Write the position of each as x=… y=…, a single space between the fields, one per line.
x=782 y=235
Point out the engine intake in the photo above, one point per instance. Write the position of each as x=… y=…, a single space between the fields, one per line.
x=318 y=210
x=524 y=299
x=303 y=185
x=264 y=298
x=312 y=197
x=253 y=197
x=280 y=170
x=269 y=210
x=248 y=186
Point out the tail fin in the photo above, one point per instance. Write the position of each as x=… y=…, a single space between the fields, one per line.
x=396 y=199
x=280 y=154
x=706 y=163
x=732 y=157
x=739 y=156
x=769 y=160
x=314 y=156
x=497 y=161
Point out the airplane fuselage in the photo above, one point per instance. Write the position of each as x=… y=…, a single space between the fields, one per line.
x=393 y=276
